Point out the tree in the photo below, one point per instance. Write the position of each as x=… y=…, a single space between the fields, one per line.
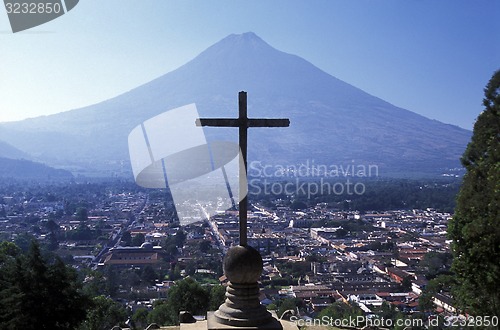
x=406 y=283
x=140 y=318
x=82 y=214
x=185 y=295
x=341 y=233
x=24 y=241
x=10 y=295
x=103 y=314
x=194 y=296
x=126 y=239
x=38 y=293
x=52 y=226
x=82 y=233
x=287 y=304
x=112 y=281
x=475 y=227
x=130 y=278
x=436 y=285
x=161 y=314
x=191 y=267
x=8 y=250
x=52 y=242
x=298 y=205
x=180 y=238
x=149 y=275
x=205 y=246
x=436 y=263
x=95 y=283
x=217 y=297
x=388 y=311
x=138 y=239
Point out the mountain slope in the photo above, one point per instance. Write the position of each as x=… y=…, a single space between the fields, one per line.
x=28 y=170
x=332 y=122
x=8 y=151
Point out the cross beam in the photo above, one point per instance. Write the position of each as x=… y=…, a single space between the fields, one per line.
x=243 y=123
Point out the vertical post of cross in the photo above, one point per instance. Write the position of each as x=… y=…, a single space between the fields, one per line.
x=243 y=132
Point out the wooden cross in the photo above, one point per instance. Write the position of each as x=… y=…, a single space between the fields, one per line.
x=243 y=123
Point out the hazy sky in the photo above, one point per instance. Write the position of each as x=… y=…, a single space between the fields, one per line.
x=430 y=57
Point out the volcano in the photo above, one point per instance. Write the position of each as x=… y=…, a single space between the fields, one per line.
x=331 y=121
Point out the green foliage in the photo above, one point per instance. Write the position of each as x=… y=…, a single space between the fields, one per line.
x=138 y=239
x=272 y=307
x=436 y=263
x=52 y=242
x=185 y=295
x=149 y=275
x=217 y=297
x=111 y=281
x=190 y=268
x=388 y=311
x=285 y=305
x=140 y=318
x=126 y=239
x=130 y=277
x=316 y=258
x=180 y=238
x=162 y=314
x=24 y=241
x=95 y=283
x=82 y=214
x=83 y=233
x=205 y=246
x=295 y=269
x=188 y=295
x=385 y=194
x=298 y=205
x=436 y=285
x=52 y=226
x=171 y=243
x=9 y=294
x=104 y=314
x=8 y=250
x=406 y=283
x=475 y=228
x=38 y=293
x=341 y=233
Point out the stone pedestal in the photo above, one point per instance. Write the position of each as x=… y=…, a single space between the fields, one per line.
x=210 y=322
x=242 y=308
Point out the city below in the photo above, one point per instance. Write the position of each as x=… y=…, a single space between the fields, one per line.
x=129 y=239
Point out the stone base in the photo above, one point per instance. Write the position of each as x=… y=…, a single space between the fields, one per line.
x=242 y=307
x=214 y=324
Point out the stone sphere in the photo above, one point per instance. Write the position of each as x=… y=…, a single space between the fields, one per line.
x=243 y=264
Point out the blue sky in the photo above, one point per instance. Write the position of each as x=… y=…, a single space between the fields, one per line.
x=430 y=57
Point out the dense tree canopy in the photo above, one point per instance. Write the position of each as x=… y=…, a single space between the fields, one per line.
x=475 y=228
x=37 y=293
x=380 y=195
x=185 y=295
x=103 y=314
